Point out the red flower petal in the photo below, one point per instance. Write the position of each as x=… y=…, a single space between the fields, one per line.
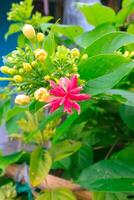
x=76 y=90
x=76 y=107
x=58 y=91
x=54 y=105
x=79 y=97
x=74 y=82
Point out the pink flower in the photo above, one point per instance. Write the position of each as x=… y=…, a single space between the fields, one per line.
x=66 y=93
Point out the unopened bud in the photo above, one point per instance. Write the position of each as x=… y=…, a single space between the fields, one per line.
x=40 y=37
x=27 y=67
x=11 y=71
x=34 y=63
x=28 y=31
x=75 y=52
x=5 y=69
x=84 y=57
x=47 y=78
x=40 y=54
x=132 y=54
x=18 y=78
x=21 y=71
x=126 y=54
x=22 y=99
x=41 y=94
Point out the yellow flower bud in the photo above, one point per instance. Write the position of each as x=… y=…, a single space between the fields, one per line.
x=22 y=99
x=41 y=94
x=47 y=78
x=126 y=54
x=21 y=71
x=34 y=63
x=132 y=54
x=18 y=78
x=10 y=59
x=40 y=54
x=75 y=69
x=84 y=57
x=28 y=31
x=40 y=37
x=75 y=52
x=27 y=67
x=11 y=71
x=5 y=69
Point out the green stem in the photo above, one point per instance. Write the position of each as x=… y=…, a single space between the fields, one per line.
x=5 y=79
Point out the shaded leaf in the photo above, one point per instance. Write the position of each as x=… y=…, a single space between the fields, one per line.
x=40 y=165
x=108 y=175
x=64 y=149
x=57 y=194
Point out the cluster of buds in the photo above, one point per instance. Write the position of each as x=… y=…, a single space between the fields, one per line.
x=40 y=54
x=22 y=99
x=126 y=54
x=29 y=32
x=8 y=192
x=67 y=60
x=29 y=72
x=41 y=94
x=50 y=129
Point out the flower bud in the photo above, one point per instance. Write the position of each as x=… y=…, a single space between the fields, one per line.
x=21 y=71
x=75 y=53
x=41 y=94
x=75 y=69
x=11 y=71
x=28 y=31
x=27 y=67
x=126 y=54
x=84 y=57
x=10 y=59
x=47 y=78
x=40 y=54
x=132 y=54
x=34 y=63
x=40 y=37
x=22 y=99
x=5 y=69
x=18 y=78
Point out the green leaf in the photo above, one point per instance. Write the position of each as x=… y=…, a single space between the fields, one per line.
x=108 y=175
x=97 y=14
x=126 y=154
x=7 y=160
x=22 y=41
x=64 y=149
x=110 y=196
x=49 y=43
x=14 y=111
x=104 y=72
x=70 y=31
x=127 y=115
x=100 y=65
x=83 y=158
x=40 y=165
x=57 y=194
x=64 y=127
x=128 y=97
x=109 y=43
x=126 y=3
x=124 y=13
x=13 y=28
x=89 y=37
